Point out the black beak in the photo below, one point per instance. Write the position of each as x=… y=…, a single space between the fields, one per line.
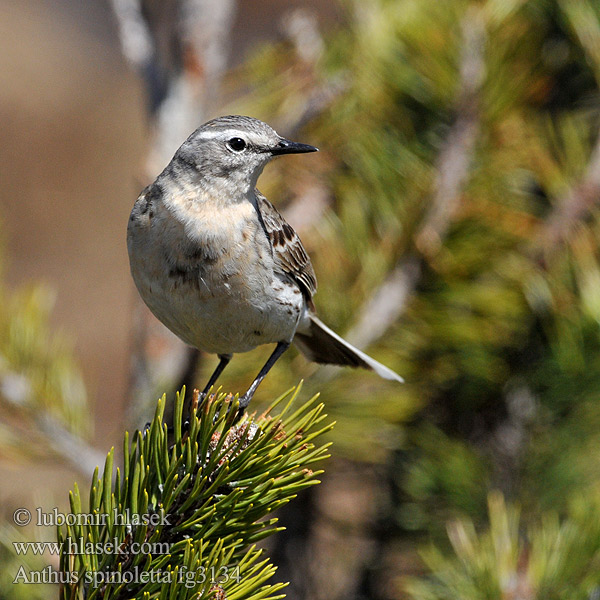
x=289 y=147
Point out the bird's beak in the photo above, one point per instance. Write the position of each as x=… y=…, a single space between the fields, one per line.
x=289 y=147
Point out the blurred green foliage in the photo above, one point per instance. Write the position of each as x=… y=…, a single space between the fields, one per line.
x=552 y=560
x=39 y=379
x=499 y=340
x=44 y=418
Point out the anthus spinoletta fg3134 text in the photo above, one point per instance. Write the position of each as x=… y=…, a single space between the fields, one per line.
x=216 y=262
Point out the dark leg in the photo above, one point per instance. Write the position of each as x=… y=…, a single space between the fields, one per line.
x=186 y=379
x=245 y=399
x=190 y=367
x=225 y=358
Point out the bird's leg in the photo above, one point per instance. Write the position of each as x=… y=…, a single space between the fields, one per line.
x=245 y=399
x=223 y=362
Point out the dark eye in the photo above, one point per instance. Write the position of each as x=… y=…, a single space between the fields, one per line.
x=237 y=144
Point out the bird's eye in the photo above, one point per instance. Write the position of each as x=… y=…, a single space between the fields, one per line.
x=237 y=144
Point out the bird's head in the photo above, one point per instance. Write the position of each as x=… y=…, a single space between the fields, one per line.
x=234 y=149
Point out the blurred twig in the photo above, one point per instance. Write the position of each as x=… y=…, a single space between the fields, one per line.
x=575 y=206
x=181 y=50
x=300 y=27
x=202 y=32
x=50 y=434
x=136 y=41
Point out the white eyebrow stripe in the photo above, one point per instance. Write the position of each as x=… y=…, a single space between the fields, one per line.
x=210 y=135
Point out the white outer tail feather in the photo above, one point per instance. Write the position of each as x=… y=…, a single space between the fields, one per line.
x=316 y=345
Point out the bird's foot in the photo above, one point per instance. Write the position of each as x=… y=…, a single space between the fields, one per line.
x=244 y=401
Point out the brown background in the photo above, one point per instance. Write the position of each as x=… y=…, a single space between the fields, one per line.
x=74 y=138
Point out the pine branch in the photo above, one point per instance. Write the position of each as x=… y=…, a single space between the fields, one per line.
x=182 y=521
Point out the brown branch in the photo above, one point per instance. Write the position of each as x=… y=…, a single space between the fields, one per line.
x=202 y=34
x=317 y=102
x=387 y=303
x=300 y=28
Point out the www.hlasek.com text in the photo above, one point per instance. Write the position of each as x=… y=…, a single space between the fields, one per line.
x=82 y=547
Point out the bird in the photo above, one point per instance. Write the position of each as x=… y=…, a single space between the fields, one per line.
x=218 y=264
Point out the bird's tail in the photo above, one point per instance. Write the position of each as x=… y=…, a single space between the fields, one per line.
x=322 y=345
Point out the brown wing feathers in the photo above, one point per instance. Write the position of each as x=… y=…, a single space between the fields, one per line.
x=287 y=247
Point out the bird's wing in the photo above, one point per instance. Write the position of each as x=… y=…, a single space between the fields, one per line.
x=288 y=251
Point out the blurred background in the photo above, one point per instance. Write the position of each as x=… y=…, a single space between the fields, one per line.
x=452 y=217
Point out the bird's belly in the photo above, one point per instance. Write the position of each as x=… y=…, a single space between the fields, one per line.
x=224 y=315
x=216 y=289
x=226 y=328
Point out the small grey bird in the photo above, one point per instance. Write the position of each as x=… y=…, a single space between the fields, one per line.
x=215 y=261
